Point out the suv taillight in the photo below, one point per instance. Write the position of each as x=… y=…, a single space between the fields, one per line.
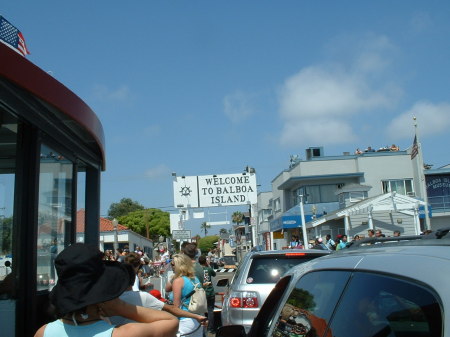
x=245 y=299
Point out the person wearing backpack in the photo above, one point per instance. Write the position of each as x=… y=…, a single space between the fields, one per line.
x=208 y=274
x=181 y=287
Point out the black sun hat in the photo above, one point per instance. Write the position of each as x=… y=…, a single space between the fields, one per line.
x=84 y=278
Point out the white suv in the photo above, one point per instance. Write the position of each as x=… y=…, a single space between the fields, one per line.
x=254 y=280
x=388 y=287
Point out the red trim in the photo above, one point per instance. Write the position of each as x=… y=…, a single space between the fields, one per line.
x=28 y=76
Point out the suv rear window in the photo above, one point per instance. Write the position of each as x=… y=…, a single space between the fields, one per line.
x=270 y=268
x=381 y=305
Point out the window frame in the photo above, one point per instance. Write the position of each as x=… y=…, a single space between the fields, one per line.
x=387 y=186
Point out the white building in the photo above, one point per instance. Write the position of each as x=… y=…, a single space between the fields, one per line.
x=346 y=194
x=125 y=236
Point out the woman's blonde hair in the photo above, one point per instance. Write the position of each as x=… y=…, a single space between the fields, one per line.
x=183 y=266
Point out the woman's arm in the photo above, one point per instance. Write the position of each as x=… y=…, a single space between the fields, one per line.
x=177 y=287
x=152 y=323
x=176 y=311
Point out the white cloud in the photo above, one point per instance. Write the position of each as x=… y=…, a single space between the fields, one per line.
x=157 y=172
x=317 y=131
x=373 y=54
x=431 y=119
x=102 y=92
x=319 y=103
x=238 y=106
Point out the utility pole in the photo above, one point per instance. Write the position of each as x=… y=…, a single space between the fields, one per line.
x=302 y=213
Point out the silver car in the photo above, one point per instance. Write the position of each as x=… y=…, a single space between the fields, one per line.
x=255 y=278
x=383 y=287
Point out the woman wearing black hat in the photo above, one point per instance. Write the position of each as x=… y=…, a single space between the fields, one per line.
x=87 y=293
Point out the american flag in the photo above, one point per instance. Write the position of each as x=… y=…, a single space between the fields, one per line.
x=12 y=36
x=415 y=148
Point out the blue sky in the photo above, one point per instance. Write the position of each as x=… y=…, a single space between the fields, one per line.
x=209 y=87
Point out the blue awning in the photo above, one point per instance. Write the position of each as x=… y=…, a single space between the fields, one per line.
x=288 y=222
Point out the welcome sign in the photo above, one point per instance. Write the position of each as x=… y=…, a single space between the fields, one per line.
x=215 y=190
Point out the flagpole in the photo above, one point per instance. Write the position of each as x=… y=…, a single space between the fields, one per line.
x=420 y=168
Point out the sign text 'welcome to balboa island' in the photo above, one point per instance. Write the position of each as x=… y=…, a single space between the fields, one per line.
x=215 y=190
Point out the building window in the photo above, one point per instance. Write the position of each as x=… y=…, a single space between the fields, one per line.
x=401 y=186
x=316 y=194
x=55 y=212
x=264 y=214
x=356 y=196
x=81 y=202
x=277 y=205
x=8 y=148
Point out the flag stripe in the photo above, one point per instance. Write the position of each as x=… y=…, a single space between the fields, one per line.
x=415 y=148
x=12 y=36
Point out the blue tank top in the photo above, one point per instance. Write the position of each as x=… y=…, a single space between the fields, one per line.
x=97 y=329
x=188 y=286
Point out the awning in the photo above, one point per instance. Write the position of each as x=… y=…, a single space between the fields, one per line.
x=288 y=222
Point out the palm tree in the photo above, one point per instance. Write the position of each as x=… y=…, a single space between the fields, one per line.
x=237 y=218
x=204 y=226
x=223 y=231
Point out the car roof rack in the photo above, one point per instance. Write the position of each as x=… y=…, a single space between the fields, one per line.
x=438 y=234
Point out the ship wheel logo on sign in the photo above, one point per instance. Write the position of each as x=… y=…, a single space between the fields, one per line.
x=185 y=191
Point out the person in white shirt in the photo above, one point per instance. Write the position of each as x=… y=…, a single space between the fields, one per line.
x=147 y=300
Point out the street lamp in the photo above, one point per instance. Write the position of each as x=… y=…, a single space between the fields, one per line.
x=115 y=223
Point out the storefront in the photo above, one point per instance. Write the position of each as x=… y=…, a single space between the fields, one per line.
x=51 y=157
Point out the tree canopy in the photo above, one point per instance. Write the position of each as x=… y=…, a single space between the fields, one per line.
x=204 y=227
x=151 y=222
x=206 y=243
x=123 y=207
x=237 y=217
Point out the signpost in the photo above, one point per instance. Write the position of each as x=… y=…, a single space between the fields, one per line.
x=181 y=234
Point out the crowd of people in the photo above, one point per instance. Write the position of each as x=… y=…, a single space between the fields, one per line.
x=103 y=294
x=341 y=241
x=387 y=148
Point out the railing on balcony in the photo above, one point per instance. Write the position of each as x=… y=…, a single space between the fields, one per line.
x=440 y=204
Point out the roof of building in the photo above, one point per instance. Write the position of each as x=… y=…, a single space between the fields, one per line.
x=388 y=202
x=295 y=180
x=106 y=225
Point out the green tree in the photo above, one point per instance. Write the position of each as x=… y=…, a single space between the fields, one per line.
x=206 y=243
x=237 y=218
x=223 y=231
x=204 y=227
x=123 y=207
x=151 y=222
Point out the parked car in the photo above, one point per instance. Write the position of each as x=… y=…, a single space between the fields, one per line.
x=381 y=287
x=255 y=277
x=228 y=261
